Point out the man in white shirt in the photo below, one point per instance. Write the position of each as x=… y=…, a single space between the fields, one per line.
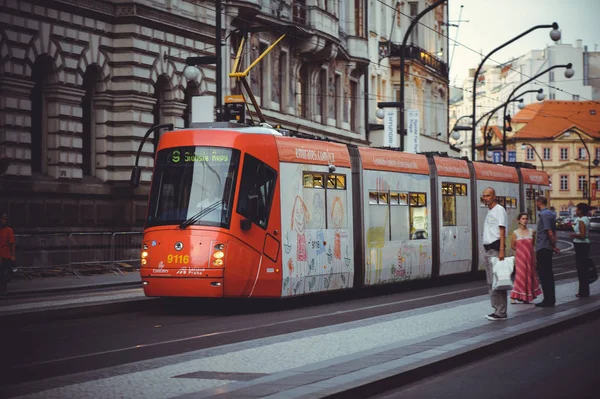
x=494 y=233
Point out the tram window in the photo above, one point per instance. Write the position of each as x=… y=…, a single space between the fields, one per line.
x=403 y=199
x=383 y=198
x=395 y=199
x=501 y=201
x=530 y=207
x=308 y=180
x=418 y=216
x=373 y=198
x=257 y=179
x=449 y=203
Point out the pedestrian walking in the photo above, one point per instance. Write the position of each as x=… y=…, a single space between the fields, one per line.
x=581 y=242
x=7 y=251
x=526 y=286
x=494 y=237
x=545 y=246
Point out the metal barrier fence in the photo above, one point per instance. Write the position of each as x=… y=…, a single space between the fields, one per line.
x=77 y=253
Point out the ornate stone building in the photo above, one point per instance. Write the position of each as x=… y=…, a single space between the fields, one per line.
x=82 y=81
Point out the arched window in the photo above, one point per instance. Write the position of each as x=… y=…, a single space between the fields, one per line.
x=192 y=90
x=160 y=94
x=90 y=82
x=40 y=75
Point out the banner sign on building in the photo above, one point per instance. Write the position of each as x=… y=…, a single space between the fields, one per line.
x=390 y=127
x=412 y=131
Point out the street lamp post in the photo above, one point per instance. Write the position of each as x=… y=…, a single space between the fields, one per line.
x=569 y=72
x=524 y=146
x=402 y=56
x=192 y=72
x=589 y=157
x=554 y=35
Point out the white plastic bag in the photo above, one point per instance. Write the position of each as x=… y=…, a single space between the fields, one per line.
x=502 y=270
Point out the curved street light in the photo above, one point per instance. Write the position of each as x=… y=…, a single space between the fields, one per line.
x=569 y=72
x=456 y=128
x=540 y=97
x=554 y=35
x=524 y=146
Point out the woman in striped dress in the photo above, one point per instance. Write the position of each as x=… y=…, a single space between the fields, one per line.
x=526 y=286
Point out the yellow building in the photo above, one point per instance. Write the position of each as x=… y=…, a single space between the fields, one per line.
x=553 y=135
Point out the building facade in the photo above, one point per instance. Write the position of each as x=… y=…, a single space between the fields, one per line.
x=82 y=82
x=426 y=68
x=556 y=136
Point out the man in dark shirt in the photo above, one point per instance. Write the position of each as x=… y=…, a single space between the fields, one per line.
x=545 y=246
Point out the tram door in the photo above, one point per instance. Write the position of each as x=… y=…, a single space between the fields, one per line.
x=454 y=207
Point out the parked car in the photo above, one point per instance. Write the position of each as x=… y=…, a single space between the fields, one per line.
x=564 y=224
x=595 y=223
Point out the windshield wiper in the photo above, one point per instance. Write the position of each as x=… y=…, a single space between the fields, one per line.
x=200 y=215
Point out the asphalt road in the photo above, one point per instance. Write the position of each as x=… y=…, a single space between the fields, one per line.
x=561 y=365
x=62 y=347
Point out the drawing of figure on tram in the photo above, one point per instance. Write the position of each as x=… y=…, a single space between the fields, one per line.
x=337 y=221
x=300 y=217
x=317 y=265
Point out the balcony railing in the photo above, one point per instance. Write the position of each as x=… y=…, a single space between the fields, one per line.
x=424 y=57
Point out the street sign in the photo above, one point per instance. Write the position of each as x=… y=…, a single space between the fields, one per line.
x=412 y=131
x=512 y=156
x=390 y=127
x=497 y=157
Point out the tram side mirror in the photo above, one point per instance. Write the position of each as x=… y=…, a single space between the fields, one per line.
x=251 y=213
x=135 y=177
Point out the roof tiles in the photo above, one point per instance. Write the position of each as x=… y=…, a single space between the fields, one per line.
x=551 y=118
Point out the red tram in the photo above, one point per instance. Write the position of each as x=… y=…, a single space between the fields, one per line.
x=238 y=211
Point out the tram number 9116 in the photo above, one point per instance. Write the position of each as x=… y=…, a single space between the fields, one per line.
x=178 y=259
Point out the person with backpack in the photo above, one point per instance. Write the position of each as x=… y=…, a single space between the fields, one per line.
x=581 y=241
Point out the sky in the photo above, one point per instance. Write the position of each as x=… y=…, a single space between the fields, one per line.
x=494 y=22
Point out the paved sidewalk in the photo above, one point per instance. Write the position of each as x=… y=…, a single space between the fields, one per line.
x=44 y=285
x=353 y=359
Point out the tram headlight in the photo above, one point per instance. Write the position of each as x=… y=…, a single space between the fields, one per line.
x=217 y=262
x=218 y=255
x=143 y=261
x=144 y=254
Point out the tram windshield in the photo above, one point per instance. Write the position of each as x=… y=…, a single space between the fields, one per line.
x=193 y=185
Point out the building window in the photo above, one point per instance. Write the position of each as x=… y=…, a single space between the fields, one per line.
x=322 y=95
x=581 y=182
x=581 y=153
x=564 y=154
x=88 y=114
x=359 y=19
x=575 y=97
x=302 y=92
x=552 y=96
x=530 y=154
x=414 y=11
x=547 y=154
x=597 y=153
x=39 y=113
x=354 y=114
x=564 y=182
